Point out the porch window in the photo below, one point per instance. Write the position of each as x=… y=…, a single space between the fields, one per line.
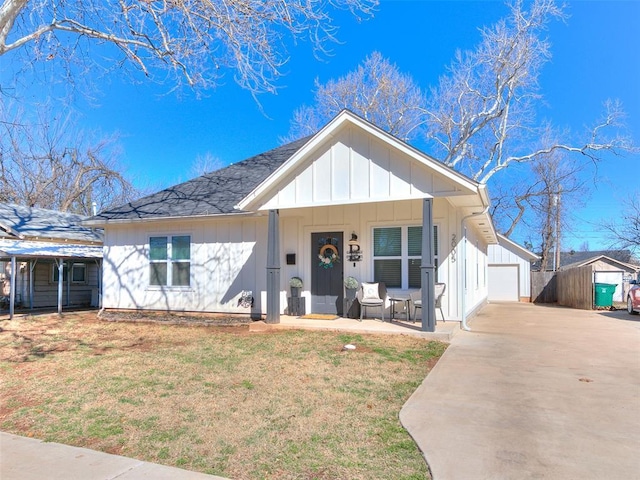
x=397 y=255
x=170 y=261
x=79 y=273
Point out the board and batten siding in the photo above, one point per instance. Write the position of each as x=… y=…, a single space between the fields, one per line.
x=354 y=168
x=500 y=255
x=297 y=225
x=476 y=286
x=228 y=256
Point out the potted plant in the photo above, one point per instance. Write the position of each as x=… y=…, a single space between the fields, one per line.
x=351 y=286
x=296 y=285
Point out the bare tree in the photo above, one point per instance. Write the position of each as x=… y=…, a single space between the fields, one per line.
x=376 y=90
x=205 y=164
x=51 y=164
x=624 y=231
x=541 y=202
x=193 y=41
x=481 y=117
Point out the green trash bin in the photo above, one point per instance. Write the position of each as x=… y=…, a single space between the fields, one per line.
x=604 y=294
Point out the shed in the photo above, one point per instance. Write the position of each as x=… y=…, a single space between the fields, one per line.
x=509 y=267
x=609 y=270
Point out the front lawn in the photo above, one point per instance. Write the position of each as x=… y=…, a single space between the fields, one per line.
x=220 y=400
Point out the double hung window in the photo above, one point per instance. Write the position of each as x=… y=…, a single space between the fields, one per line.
x=397 y=255
x=170 y=261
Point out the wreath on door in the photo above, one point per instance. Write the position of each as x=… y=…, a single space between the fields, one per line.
x=328 y=255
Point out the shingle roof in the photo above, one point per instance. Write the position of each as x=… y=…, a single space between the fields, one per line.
x=40 y=223
x=215 y=193
x=570 y=258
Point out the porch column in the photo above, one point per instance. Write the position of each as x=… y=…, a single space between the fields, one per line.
x=428 y=269
x=12 y=288
x=99 y=266
x=32 y=269
x=60 y=263
x=273 y=268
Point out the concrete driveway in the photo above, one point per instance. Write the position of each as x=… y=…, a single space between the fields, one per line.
x=533 y=392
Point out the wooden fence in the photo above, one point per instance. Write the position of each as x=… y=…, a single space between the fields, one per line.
x=575 y=287
x=543 y=287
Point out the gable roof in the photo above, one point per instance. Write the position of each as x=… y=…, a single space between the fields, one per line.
x=603 y=258
x=241 y=187
x=574 y=259
x=215 y=193
x=517 y=248
x=19 y=222
x=461 y=184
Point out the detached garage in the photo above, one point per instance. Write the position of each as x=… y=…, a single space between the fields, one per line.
x=509 y=271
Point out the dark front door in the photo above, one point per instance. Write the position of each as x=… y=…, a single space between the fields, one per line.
x=326 y=272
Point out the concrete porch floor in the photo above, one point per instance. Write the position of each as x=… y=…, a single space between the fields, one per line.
x=444 y=330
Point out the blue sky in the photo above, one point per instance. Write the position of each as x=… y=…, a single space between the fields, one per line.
x=596 y=56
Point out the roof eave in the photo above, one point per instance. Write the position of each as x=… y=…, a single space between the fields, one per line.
x=528 y=253
x=124 y=221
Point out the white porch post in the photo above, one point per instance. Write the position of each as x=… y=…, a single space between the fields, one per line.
x=60 y=263
x=428 y=269
x=12 y=288
x=273 y=268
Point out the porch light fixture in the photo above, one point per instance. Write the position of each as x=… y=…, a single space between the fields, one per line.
x=355 y=254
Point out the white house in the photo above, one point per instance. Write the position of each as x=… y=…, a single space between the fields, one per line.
x=510 y=271
x=350 y=200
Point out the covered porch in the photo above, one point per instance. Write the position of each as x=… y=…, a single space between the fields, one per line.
x=416 y=222
x=33 y=271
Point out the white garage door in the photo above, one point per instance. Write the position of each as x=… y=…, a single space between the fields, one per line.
x=503 y=283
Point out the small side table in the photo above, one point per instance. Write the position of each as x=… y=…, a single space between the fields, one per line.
x=407 y=306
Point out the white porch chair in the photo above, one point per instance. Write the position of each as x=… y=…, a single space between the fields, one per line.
x=372 y=295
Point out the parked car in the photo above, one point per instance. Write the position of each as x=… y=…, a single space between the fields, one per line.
x=633 y=298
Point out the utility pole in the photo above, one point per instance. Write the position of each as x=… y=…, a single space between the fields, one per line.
x=557 y=252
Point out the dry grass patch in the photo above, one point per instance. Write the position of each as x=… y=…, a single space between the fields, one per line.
x=285 y=405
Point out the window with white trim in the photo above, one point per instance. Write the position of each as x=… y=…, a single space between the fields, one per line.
x=397 y=255
x=170 y=261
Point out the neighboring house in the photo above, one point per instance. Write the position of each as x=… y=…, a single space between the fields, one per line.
x=573 y=258
x=608 y=270
x=36 y=245
x=350 y=200
x=510 y=271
